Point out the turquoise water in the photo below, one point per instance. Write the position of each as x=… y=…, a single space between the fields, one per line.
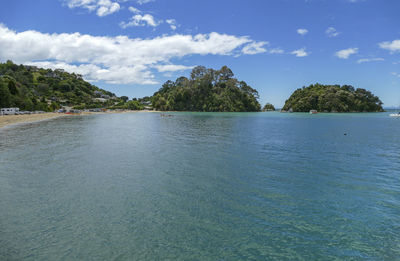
x=201 y=186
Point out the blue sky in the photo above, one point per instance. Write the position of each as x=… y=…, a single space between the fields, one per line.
x=131 y=47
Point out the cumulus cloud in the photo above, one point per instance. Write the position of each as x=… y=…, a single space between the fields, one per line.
x=140 y=20
x=300 y=52
x=302 y=31
x=255 y=48
x=115 y=74
x=116 y=60
x=102 y=7
x=367 y=60
x=393 y=46
x=345 y=53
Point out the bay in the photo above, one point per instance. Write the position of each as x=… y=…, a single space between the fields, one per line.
x=201 y=186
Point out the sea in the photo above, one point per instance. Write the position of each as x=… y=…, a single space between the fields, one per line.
x=201 y=186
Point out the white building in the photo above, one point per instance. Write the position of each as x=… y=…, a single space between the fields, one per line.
x=9 y=111
x=100 y=99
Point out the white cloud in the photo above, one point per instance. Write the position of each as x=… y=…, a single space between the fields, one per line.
x=345 y=54
x=393 y=46
x=114 y=74
x=141 y=20
x=366 y=60
x=134 y=10
x=141 y=2
x=146 y=19
x=102 y=7
x=302 y=31
x=172 y=67
x=116 y=60
x=276 y=51
x=331 y=32
x=396 y=74
x=300 y=52
x=254 y=48
x=172 y=23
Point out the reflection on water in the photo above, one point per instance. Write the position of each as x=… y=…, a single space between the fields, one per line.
x=195 y=186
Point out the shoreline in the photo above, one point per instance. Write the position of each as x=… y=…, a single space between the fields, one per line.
x=11 y=120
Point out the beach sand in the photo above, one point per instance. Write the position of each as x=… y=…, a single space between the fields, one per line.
x=6 y=120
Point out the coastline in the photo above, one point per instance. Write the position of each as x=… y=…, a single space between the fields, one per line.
x=9 y=120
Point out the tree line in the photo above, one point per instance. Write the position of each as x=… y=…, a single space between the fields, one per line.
x=31 y=88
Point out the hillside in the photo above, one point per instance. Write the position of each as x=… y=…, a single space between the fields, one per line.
x=32 y=88
x=207 y=90
x=333 y=98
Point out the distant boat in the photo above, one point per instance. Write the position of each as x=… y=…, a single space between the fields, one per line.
x=395 y=114
x=313 y=112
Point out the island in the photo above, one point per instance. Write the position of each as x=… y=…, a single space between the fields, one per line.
x=268 y=107
x=332 y=98
x=207 y=90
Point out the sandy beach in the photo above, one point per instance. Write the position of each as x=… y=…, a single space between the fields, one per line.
x=6 y=120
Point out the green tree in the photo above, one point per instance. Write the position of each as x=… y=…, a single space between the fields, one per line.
x=134 y=105
x=5 y=96
x=124 y=98
x=12 y=88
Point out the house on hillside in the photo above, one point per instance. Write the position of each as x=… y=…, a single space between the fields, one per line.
x=146 y=103
x=100 y=99
x=100 y=94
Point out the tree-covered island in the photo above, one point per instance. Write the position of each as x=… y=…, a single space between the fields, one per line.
x=333 y=98
x=207 y=90
x=268 y=107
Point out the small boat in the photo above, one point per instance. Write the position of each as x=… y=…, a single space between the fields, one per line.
x=313 y=111
x=395 y=114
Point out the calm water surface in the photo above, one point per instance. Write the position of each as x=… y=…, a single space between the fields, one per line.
x=201 y=186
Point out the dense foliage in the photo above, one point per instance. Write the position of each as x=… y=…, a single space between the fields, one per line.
x=268 y=107
x=207 y=90
x=333 y=98
x=31 y=88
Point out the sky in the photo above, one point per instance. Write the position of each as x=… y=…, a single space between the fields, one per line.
x=131 y=47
